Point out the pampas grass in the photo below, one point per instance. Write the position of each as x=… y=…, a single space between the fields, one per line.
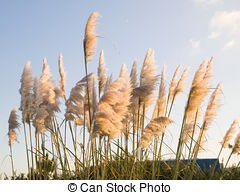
x=102 y=77
x=211 y=112
x=62 y=80
x=12 y=126
x=236 y=146
x=26 y=93
x=235 y=149
x=173 y=84
x=155 y=128
x=112 y=108
x=90 y=38
x=115 y=111
x=229 y=134
x=159 y=109
x=148 y=78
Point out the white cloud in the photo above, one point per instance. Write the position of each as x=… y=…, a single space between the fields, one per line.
x=195 y=44
x=214 y=35
x=229 y=45
x=226 y=22
x=206 y=3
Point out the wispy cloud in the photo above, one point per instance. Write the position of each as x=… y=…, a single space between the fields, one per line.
x=206 y=3
x=227 y=22
x=227 y=25
x=229 y=45
x=194 y=43
x=214 y=35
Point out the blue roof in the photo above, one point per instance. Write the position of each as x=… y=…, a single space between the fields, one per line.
x=204 y=164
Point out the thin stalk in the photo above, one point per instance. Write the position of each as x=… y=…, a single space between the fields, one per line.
x=215 y=164
x=84 y=131
x=143 y=119
x=228 y=159
x=121 y=155
x=179 y=147
x=118 y=157
x=74 y=143
x=133 y=143
x=197 y=150
x=75 y=148
x=194 y=126
x=161 y=143
x=96 y=156
x=238 y=164
x=65 y=142
x=39 y=159
x=154 y=158
x=57 y=135
x=52 y=144
x=222 y=175
x=88 y=95
x=138 y=122
x=198 y=144
x=30 y=134
x=36 y=156
x=178 y=154
x=126 y=145
x=26 y=145
x=44 y=156
x=106 y=159
x=11 y=155
x=93 y=151
x=220 y=152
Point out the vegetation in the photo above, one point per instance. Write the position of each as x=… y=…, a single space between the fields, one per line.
x=112 y=117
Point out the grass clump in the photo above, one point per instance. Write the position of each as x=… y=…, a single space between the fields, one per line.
x=119 y=139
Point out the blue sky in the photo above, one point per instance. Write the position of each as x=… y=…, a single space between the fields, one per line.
x=185 y=32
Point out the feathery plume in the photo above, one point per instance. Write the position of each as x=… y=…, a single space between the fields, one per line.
x=12 y=137
x=62 y=80
x=49 y=98
x=26 y=92
x=174 y=83
x=90 y=38
x=161 y=101
x=133 y=75
x=208 y=72
x=148 y=78
x=75 y=102
x=47 y=86
x=213 y=105
x=102 y=77
x=199 y=75
x=134 y=84
x=12 y=125
x=210 y=114
x=123 y=71
x=108 y=83
x=26 y=81
x=155 y=128
x=199 y=90
x=49 y=92
x=92 y=99
x=236 y=147
x=40 y=119
x=187 y=133
x=112 y=108
x=13 y=120
x=227 y=138
x=181 y=83
x=37 y=97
